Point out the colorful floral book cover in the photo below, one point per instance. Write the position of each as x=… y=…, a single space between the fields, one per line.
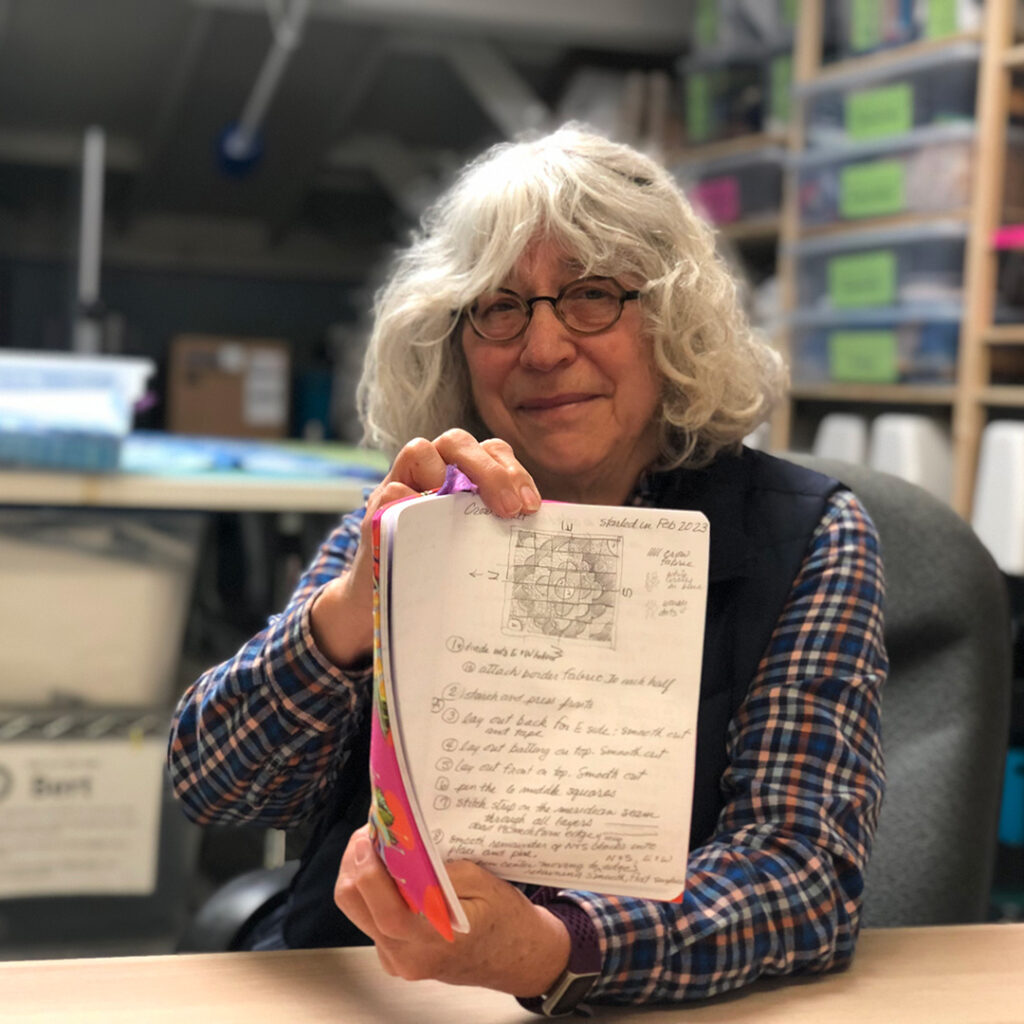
x=410 y=861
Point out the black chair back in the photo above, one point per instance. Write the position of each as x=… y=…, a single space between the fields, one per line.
x=945 y=707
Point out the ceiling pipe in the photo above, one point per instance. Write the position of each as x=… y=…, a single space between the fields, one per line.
x=240 y=144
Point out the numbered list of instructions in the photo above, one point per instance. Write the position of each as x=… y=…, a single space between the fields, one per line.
x=551 y=731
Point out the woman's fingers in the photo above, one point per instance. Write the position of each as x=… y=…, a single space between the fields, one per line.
x=512 y=945
x=341 y=616
x=365 y=889
x=420 y=466
x=504 y=484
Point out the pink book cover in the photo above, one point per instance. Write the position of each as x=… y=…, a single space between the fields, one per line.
x=393 y=826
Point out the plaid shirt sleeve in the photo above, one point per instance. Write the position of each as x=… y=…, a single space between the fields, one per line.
x=777 y=889
x=262 y=737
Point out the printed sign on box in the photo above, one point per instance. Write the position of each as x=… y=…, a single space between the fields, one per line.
x=80 y=817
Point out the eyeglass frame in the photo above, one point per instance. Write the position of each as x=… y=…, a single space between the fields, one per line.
x=628 y=295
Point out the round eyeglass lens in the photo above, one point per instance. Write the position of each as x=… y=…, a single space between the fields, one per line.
x=590 y=305
x=499 y=316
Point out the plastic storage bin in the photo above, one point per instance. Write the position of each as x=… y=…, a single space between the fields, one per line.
x=736 y=95
x=842 y=435
x=735 y=188
x=868 y=25
x=1010 y=243
x=931 y=89
x=928 y=170
x=998 y=514
x=103 y=866
x=66 y=411
x=915 y=448
x=895 y=267
x=94 y=604
x=728 y=26
x=886 y=346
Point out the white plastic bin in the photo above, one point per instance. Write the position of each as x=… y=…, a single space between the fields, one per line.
x=876 y=346
x=94 y=604
x=843 y=436
x=894 y=267
x=857 y=106
x=67 y=411
x=916 y=448
x=998 y=514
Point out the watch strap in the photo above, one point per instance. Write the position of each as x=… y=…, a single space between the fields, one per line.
x=584 y=967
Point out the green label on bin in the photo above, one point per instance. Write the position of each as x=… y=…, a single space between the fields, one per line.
x=781 y=88
x=862 y=279
x=872 y=189
x=865 y=25
x=698 y=107
x=876 y=113
x=868 y=357
x=941 y=19
x=706 y=23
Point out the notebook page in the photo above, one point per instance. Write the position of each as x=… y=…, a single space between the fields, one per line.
x=546 y=673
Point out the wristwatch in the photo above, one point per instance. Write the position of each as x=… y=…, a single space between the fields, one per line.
x=584 y=968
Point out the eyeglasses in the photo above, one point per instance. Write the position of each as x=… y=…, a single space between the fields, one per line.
x=587 y=306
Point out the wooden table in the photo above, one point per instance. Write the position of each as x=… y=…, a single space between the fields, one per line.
x=222 y=492
x=958 y=975
x=333 y=482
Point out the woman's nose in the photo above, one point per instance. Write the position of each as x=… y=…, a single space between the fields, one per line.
x=547 y=342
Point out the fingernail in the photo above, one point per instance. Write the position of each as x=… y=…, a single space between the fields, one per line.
x=531 y=499
x=361 y=851
x=511 y=503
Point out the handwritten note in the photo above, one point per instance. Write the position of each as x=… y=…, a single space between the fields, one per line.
x=544 y=683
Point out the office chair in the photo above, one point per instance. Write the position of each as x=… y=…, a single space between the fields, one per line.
x=945 y=707
x=228 y=917
x=945 y=722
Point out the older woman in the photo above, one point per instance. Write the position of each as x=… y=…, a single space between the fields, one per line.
x=562 y=328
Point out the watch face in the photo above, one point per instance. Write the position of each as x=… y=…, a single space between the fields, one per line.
x=572 y=990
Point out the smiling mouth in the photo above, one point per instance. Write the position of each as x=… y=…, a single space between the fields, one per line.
x=555 y=402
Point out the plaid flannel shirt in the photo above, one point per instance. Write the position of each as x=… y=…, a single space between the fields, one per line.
x=777 y=889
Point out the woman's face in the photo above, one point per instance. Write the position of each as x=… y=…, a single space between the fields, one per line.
x=580 y=411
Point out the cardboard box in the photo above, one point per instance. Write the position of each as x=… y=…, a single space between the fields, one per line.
x=230 y=387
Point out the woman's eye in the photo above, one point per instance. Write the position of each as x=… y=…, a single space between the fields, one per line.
x=497 y=305
x=592 y=293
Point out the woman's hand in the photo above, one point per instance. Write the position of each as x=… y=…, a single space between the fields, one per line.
x=512 y=945
x=342 y=617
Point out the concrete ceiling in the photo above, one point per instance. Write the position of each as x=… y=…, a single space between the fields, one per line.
x=374 y=105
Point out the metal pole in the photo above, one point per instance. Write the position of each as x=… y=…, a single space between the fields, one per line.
x=87 y=331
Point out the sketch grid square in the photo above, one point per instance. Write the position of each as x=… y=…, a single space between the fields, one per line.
x=563 y=585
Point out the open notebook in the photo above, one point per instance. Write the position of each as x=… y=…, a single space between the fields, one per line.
x=536 y=684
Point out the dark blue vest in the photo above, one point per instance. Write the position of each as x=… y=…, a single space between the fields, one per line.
x=763 y=512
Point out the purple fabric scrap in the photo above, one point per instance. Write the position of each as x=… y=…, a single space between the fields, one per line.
x=455 y=480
